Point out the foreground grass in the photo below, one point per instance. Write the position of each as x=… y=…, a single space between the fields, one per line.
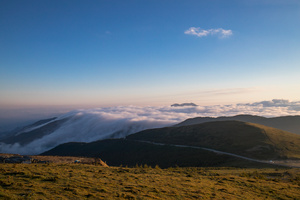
x=83 y=181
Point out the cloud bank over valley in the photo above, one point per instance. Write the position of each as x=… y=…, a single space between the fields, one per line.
x=87 y=125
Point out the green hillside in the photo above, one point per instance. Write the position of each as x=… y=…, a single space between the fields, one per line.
x=286 y=123
x=118 y=152
x=246 y=139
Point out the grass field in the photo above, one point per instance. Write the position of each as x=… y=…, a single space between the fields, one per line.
x=85 y=181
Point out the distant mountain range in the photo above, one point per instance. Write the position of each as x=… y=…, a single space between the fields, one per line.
x=240 y=138
x=76 y=126
x=47 y=134
x=183 y=104
x=37 y=130
x=286 y=123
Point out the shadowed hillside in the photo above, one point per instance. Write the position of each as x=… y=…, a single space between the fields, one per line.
x=246 y=139
x=29 y=133
x=125 y=152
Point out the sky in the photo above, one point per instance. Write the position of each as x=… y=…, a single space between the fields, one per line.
x=99 y=53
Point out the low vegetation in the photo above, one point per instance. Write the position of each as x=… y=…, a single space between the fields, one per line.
x=86 y=181
x=246 y=139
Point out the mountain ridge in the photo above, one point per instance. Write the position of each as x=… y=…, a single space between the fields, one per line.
x=84 y=126
x=245 y=139
x=242 y=138
x=286 y=123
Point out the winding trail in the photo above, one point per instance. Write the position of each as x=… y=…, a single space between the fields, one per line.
x=219 y=152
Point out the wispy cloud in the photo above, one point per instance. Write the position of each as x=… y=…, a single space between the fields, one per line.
x=197 y=31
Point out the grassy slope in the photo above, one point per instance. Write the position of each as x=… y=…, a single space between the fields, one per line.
x=247 y=139
x=123 y=152
x=76 y=181
x=286 y=123
x=287 y=144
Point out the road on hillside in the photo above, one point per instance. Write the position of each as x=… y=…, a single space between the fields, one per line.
x=219 y=152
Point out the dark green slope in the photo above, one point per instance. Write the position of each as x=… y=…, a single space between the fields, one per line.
x=118 y=152
x=286 y=123
x=246 y=139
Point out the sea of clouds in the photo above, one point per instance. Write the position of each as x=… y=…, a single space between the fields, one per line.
x=87 y=125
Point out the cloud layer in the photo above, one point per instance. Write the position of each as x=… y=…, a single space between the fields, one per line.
x=197 y=31
x=117 y=122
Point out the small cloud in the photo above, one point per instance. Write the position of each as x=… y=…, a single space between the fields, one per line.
x=222 y=33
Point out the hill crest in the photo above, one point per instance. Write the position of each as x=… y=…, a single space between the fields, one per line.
x=286 y=123
x=242 y=138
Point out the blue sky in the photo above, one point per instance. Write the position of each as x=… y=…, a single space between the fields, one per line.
x=109 y=52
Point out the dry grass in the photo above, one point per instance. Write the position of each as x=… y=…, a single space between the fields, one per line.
x=77 y=181
x=63 y=159
x=69 y=159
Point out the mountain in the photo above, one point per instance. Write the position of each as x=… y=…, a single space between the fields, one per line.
x=110 y=123
x=183 y=104
x=158 y=146
x=241 y=138
x=33 y=132
x=75 y=126
x=116 y=152
x=18 y=130
x=286 y=123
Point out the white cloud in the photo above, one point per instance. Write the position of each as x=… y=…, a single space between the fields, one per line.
x=221 y=33
x=87 y=125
